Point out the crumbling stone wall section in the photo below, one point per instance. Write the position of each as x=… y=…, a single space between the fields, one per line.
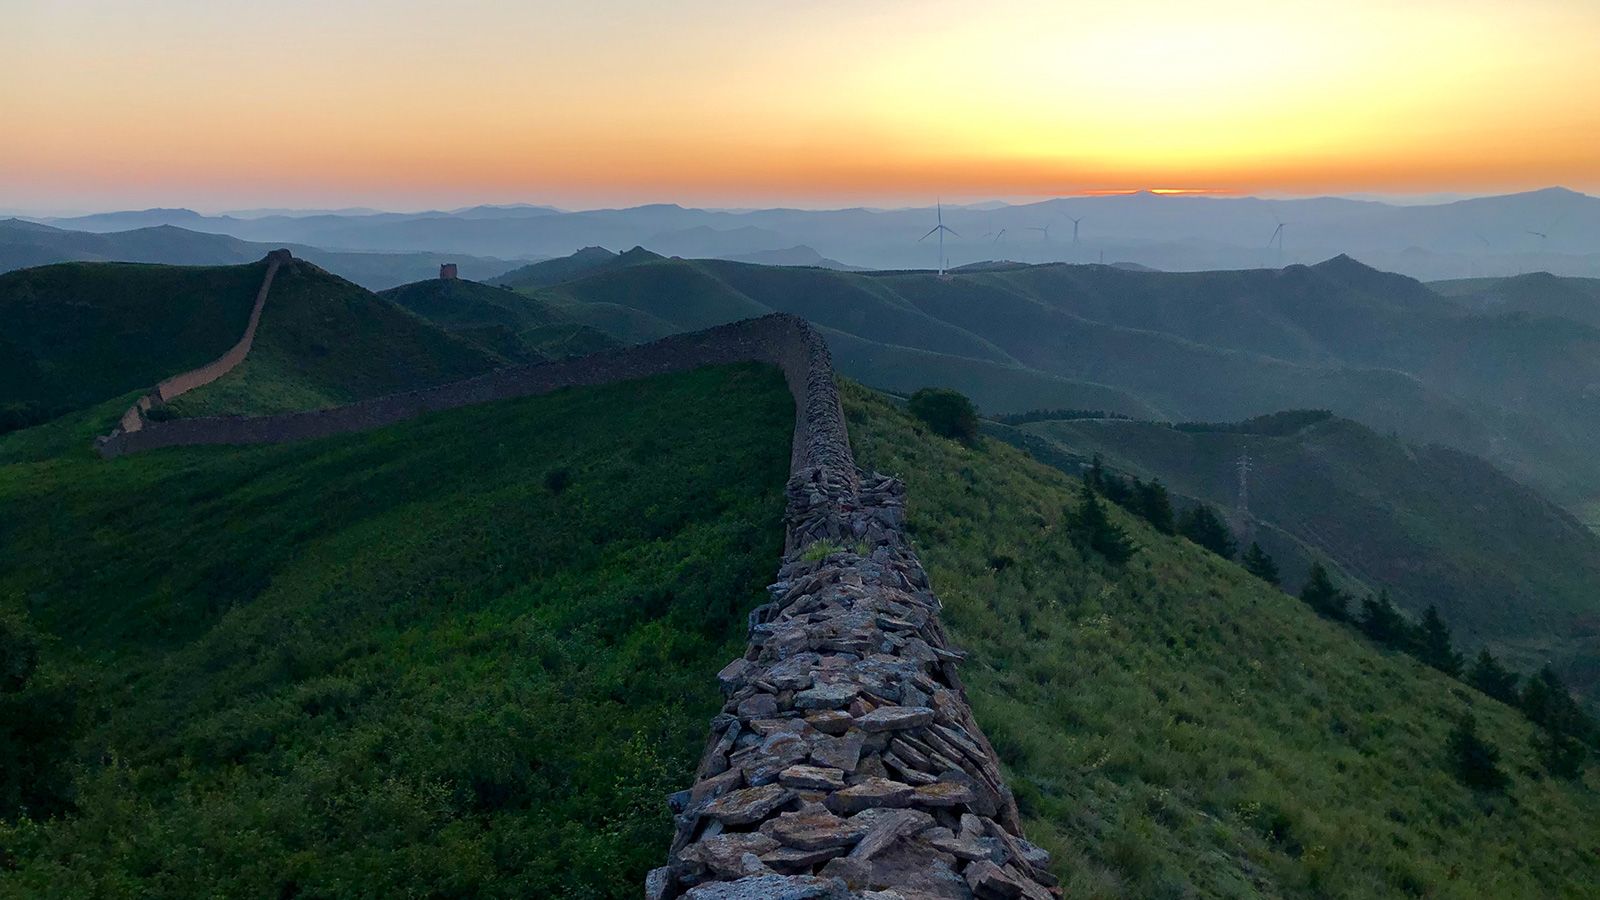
x=183 y=382
x=845 y=762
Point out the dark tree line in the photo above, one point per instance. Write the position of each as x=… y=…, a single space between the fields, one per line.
x=1150 y=501
x=1565 y=729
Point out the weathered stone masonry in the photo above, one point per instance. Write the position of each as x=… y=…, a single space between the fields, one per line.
x=845 y=762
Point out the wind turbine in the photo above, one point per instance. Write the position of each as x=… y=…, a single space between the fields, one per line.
x=1075 y=228
x=1043 y=228
x=1277 y=235
x=1000 y=235
x=939 y=229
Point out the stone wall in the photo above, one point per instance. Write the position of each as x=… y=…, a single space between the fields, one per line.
x=134 y=418
x=845 y=762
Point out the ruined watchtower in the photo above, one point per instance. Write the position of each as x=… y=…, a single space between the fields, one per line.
x=447 y=272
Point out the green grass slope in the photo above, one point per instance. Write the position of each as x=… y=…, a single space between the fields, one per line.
x=77 y=334
x=1433 y=526
x=1178 y=729
x=466 y=655
x=324 y=341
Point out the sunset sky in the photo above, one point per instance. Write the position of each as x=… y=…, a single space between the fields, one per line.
x=406 y=103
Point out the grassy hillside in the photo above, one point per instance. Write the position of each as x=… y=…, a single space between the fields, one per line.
x=554 y=271
x=76 y=334
x=1433 y=526
x=324 y=341
x=1176 y=728
x=512 y=325
x=1377 y=348
x=462 y=656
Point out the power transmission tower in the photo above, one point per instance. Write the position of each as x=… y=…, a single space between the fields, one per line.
x=1244 y=465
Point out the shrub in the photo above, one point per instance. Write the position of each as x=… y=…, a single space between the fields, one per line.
x=946 y=413
x=557 y=480
x=820 y=550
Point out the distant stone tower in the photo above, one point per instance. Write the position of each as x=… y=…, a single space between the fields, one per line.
x=447 y=272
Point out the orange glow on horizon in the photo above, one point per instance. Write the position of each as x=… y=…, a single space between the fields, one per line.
x=720 y=102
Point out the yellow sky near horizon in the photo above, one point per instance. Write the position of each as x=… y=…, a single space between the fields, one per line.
x=417 y=101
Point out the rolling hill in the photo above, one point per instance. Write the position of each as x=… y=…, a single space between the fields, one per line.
x=1431 y=525
x=511 y=325
x=1377 y=348
x=25 y=244
x=74 y=335
x=1453 y=239
x=323 y=341
x=470 y=653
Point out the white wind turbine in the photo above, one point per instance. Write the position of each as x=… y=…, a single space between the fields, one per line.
x=1075 y=228
x=940 y=230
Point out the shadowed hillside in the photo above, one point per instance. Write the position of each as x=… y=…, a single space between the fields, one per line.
x=324 y=341
x=74 y=335
x=514 y=326
x=1378 y=348
x=1430 y=525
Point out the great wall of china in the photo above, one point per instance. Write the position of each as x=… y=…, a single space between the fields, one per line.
x=184 y=382
x=846 y=762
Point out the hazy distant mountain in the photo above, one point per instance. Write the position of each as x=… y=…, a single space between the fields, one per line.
x=1379 y=348
x=24 y=244
x=800 y=255
x=1554 y=230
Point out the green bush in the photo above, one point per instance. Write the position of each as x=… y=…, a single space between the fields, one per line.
x=946 y=413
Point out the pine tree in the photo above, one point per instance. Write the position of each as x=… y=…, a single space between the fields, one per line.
x=1258 y=563
x=1155 y=505
x=1433 y=644
x=1320 y=594
x=1093 y=529
x=1476 y=761
x=1206 y=528
x=1493 y=679
x=1547 y=703
x=1384 y=624
x=1561 y=754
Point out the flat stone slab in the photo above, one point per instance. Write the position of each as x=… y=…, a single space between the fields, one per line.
x=827 y=696
x=749 y=805
x=812 y=778
x=872 y=793
x=814 y=830
x=895 y=718
x=942 y=794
